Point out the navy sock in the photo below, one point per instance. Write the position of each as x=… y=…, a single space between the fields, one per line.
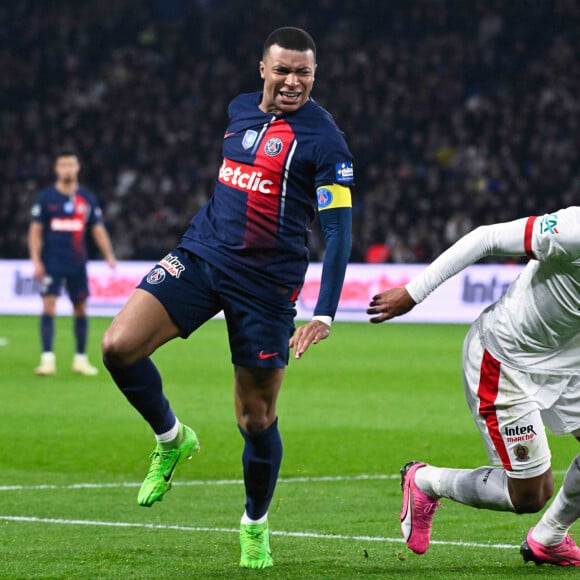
x=261 y=460
x=47 y=332
x=81 y=329
x=141 y=384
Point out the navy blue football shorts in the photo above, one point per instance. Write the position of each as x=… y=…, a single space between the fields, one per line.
x=75 y=281
x=193 y=291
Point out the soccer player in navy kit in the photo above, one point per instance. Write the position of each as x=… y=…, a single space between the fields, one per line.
x=245 y=253
x=57 y=249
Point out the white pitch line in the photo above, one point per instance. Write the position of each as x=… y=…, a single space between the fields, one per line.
x=310 y=535
x=211 y=482
x=208 y=482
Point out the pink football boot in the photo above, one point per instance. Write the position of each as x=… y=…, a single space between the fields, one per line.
x=418 y=510
x=566 y=553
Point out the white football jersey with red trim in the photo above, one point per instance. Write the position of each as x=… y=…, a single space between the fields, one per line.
x=535 y=326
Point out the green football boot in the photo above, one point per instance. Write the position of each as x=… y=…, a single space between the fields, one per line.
x=164 y=460
x=255 y=543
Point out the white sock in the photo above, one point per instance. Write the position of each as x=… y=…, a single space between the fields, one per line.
x=484 y=487
x=247 y=520
x=168 y=435
x=563 y=511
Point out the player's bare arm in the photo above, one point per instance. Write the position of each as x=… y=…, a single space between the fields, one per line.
x=507 y=238
x=103 y=242
x=35 y=249
x=390 y=303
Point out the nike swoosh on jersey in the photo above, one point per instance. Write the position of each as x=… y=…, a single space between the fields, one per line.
x=226 y=135
x=264 y=356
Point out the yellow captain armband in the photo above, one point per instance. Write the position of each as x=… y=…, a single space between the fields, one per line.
x=332 y=196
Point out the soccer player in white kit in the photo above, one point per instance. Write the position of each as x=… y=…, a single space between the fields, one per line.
x=521 y=369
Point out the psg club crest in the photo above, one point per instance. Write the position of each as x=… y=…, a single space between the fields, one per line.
x=324 y=197
x=156 y=276
x=249 y=139
x=273 y=146
x=521 y=452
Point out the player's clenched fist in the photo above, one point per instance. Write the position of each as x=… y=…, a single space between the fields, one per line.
x=390 y=303
x=311 y=333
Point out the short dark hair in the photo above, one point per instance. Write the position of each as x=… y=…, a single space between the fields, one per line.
x=65 y=153
x=291 y=38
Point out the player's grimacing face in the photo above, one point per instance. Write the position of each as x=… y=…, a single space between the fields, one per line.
x=67 y=169
x=288 y=78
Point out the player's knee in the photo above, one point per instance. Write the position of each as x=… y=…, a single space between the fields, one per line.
x=116 y=349
x=49 y=309
x=254 y=423
x=531 y=501
x=529 y=504
x=79 y=310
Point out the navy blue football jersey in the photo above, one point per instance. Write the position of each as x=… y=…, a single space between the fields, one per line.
x=255 y=226
x=65 y=219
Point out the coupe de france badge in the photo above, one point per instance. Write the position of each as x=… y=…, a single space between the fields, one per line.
x=344 y=172
x=249 y=139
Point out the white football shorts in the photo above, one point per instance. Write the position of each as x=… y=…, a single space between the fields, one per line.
x=510 y=408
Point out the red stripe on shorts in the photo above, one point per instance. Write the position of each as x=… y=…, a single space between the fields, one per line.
x=487 y=393
x=528 y=237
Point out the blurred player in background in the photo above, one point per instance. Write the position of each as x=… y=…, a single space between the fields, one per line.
x=521 y=368
x=245 y=253
x=56 y=242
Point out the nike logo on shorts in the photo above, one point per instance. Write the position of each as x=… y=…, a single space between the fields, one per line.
x=264 y=356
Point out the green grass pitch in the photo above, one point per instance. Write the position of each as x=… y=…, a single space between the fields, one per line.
x=364 y=402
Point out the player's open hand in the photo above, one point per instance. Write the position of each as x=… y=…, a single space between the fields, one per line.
x=39 y=271
x=389 y=304
x=311 y=333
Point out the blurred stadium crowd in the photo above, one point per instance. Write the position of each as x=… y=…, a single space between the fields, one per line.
x=458 y=112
